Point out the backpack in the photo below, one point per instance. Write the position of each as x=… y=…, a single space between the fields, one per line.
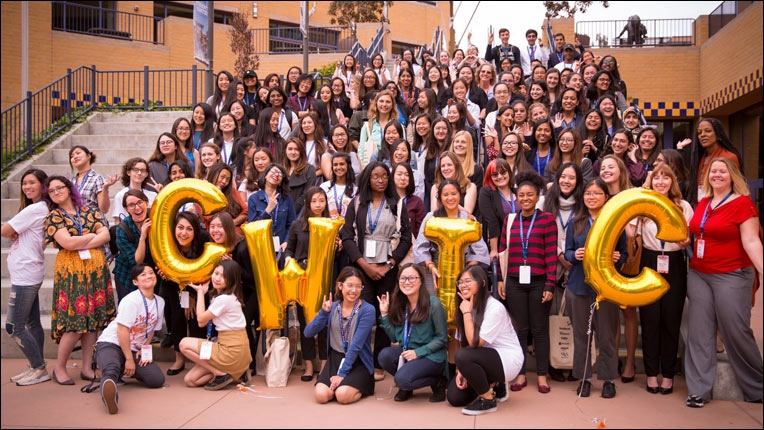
x=113 y=236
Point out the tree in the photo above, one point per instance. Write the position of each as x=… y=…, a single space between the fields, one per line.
x=349 y=12
x=555 y=8
x=241 y=45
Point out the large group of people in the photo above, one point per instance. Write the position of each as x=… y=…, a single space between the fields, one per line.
x=530 y=142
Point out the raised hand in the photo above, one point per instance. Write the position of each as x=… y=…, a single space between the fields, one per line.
x=327 y=304
x=384 y=303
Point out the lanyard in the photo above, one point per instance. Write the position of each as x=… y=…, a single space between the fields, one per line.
x=77 y=223
x=525 y=240
x=303 y=104
x=570 y=216
x=539 y=168
x=407 y=328
x=156 y=321
x=510 y=202
x=337 y=201
x=209 y=328
x=84 y=180
x=282 y=115
x=707 y=214
x=373 y=227
x=345 y=331
x=225 y=157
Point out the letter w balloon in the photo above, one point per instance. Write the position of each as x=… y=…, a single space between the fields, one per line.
x=599 y=269
x=169 y=259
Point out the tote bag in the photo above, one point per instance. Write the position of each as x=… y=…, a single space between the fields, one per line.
x=278 y=364
x=504 y=255
x=561 y=340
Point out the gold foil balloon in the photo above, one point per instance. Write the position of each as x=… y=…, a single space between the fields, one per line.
x=598 y=264
x=452 y=236
x=307 y=287
x=168 y=257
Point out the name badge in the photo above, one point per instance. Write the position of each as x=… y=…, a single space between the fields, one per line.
x=276 y=243
x=401 y=361
x=206 y=350
x=370 y=250
x=84 y=254
x=663 y=264
x=700 y=248
x=525 y=274
x=184 y=299
x=147 y=353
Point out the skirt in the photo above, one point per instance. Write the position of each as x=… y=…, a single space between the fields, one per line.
x=359 y=377
x=230 y=354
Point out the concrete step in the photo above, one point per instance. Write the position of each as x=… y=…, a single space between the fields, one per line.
x=152 y=116
x=45 y=294
x=128 y=128
x=110 y=142
x=105 y=156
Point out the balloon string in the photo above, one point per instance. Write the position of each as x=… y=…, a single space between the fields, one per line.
x=588 y=363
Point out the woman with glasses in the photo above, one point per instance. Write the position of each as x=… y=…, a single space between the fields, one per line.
x=181 y=128
x=371 y=220
x=84 y=304
x=273 y=201
x=490 y=353
x=513 y=152
x=135 y=176
x=569 y=150
x=167 y=150
x=609 y=63
x=580 y=296
x=529 y=283
x=133 y=248
x=416 y=321
x=349 y=321
x=496 y=200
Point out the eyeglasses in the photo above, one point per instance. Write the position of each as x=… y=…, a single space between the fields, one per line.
x=141 y=171
x=378 y=177
x=509 y=143
x=351 y=287
x=57 y=189
x=138 y=204
x=498 y=173
x=593 y=194
x=608 y=63
x=166 y=142
x=463 y=282
x=567 y=140
x=276 y=173
x=182 y=129
x=408 y=279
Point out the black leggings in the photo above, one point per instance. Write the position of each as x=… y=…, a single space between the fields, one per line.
x=480 y=367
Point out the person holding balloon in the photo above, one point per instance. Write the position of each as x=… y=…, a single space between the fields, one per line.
x=660 y=320
x=273 y=201
x=529 y=283
x=727 y=254
x=348 y=374
x=580 y=298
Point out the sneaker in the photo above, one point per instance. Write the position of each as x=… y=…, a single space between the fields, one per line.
x=500 y=392
x=694 y=401
x=480 y=406
x=219 y=382
x=109 y=395
x=35 y=376
x=608 y=390
x=21 y=375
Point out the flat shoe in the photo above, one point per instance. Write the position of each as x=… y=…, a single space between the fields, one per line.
x=544 y=389
x=653 y=390
x=173 y=372
x=306 y=378
x=85 y=378
x=519 y=386
x=59 y=382
x=666 y=390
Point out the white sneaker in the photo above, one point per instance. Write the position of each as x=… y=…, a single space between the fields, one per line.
x=36 y=376
x=21 y=375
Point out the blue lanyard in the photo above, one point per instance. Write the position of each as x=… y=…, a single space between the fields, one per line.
x=77 y=223
x=84 y=180
x=525 y=240
x=337 y=201
x=570 y=216
x=281 y=115
x=407 y=328
x=707 y=214
x=373 y=227
x=510 y=202
x=539 y=167
x=209 y=326
x=302 y=105
x=156 y=321
x=345 y=331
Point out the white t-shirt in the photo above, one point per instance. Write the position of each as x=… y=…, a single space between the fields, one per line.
x=649 y=230
x=132 y=314
x=228 y=313
x=341 y=198
x=119 y=211
x=27 y=254
x=499 y=334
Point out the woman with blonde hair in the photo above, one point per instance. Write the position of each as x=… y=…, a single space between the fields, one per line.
x=381 y=111
x=463 y=146
x=448 y=168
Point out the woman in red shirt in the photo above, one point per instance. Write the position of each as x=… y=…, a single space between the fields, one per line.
x=719 y=284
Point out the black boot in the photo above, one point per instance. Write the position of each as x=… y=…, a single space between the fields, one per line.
x=439 y=390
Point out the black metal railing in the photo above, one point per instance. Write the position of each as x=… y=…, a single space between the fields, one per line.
x=103 y=22
x=42 y=115
x=723 y=14
x=288 y=40
x=635 y=32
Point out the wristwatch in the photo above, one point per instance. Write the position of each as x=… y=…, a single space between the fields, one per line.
x=390 y=264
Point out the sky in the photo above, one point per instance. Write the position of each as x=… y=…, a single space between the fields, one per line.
x=519 y=16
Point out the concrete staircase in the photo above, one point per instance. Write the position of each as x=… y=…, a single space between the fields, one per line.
x=114 y=138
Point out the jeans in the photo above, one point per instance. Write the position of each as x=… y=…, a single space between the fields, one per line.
x=414 y=374
x=23 y=324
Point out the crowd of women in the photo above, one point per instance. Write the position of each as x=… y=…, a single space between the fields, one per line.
x=533 y=157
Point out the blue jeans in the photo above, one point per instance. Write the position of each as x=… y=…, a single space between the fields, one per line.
x=23 y=323
x=418 y=373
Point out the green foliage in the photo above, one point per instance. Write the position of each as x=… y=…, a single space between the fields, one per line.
x=347 y=12
x=327 y=70
x=555 y=9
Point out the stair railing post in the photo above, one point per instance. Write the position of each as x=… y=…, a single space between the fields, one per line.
x=145 y=88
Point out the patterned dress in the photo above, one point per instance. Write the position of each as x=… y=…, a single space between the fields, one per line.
x=83 y=300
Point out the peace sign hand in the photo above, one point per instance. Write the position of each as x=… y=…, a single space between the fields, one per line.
x=156 y=185
x=327 y=304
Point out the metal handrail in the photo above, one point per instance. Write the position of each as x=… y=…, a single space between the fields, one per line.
x=103 y=22
x=637 y=33
x=42 y=115
x=288 y=40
